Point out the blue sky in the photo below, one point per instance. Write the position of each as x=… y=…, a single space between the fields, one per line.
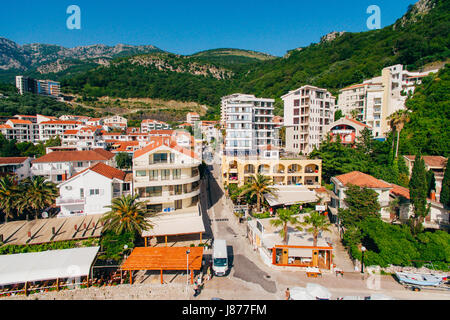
x=186 y=27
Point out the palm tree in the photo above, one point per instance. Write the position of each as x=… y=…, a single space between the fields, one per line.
x=354 y=113
x=317 y=223
x=38 y=194
x=258 y=186
x=127 y=215
x=8 y=196
x=397 y=122
x=284 y=216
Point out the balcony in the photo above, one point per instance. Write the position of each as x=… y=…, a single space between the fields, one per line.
x=70 y=201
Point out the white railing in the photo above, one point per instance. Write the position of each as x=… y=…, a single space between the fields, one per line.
x=67 y=201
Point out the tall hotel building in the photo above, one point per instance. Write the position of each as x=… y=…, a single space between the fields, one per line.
x=41 y=87
x=307 y=111
x=248 y=122
x=377 y=98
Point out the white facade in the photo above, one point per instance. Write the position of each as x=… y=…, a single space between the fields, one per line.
x=149 y=125
x=377 y=98
x=89 y=193
x=20 y=167
x=166 y=177
x=307 y=111
x=248 y=123
x=192 y=117
x=116 y=120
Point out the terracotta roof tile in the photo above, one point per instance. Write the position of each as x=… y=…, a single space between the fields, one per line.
x=18 y=121
x=431 y=161
x=71 y=156
x=105 y=170
x=362 y=180
x=12 y=160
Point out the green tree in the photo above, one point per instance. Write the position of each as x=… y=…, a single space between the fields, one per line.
x=127 y=215
x=317 y=223
x=431 y=182
x=257 y=187
x=283 y=218
x=9 y=194
x=445 y=191
x=338 y=115
x=418 y=189
x=361 y=202
x=124 y=160
x=397 y=122
x=37 y=195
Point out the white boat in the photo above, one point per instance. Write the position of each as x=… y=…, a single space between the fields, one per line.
x=420 y=279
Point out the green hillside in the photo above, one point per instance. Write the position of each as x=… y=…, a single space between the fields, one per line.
x=418 y=38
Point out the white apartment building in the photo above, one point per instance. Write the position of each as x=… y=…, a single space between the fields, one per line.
x=192 y=117
x=149 y=125
x=92 y=190
x=377 y=98
x=85 y=138
x=116 y=121
x=59 y=166
x=166 y=176
x=248 y=123
x=50 y=129
x=307 y=111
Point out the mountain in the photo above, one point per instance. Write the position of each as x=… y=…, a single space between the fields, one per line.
x=231 y=58
x=35 y=59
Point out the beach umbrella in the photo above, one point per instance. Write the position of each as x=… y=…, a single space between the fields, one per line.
x=299 y=293
x=318 y=291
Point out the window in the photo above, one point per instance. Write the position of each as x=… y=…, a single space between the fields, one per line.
x=165 y=174
x=153 y=191
x=81 y=193
x=178 y=204
x=141 y=173
x=155 y=208
x=160 y=158
x=195 y=172
x=153 y=175
x=94 y=192
x=176 y=174
x=79 y=164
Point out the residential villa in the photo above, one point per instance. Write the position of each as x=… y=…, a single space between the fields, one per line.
x=91 y=191
x=192 y=117
x=437 y=164
x=59 y=166
x=149 y=125
x=348 y=129
x=438 y=217
x=17 y=166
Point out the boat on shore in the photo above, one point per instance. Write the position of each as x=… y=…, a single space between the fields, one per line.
x=420 y=279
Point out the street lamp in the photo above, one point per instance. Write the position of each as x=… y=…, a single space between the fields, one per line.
x=187 y=267
x=363 y=249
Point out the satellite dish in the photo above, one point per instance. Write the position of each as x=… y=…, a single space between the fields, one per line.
x=44 y=215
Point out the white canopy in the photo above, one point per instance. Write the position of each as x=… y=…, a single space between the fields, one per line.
x=46 y=265
x=171 y=226
x=290 y=195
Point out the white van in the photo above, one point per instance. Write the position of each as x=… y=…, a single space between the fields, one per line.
x=220 y=258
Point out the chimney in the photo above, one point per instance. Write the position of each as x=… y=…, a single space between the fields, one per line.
x=433 y=196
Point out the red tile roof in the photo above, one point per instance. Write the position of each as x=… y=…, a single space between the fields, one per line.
x=62 y=122
x=357 y=122
x=168 y=142
x=12 y=160
x=70 y=132
x=19 y=121
x=362 y=180
x=400 y=191
x=431 y=161
x=105 y=170
x=71 y=156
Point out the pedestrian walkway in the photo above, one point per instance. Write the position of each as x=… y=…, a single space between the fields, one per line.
x=341 y=257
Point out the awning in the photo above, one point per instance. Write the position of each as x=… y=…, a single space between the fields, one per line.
x=46 y=265
x=290 y=195
x=172 y=226
x=164 y=258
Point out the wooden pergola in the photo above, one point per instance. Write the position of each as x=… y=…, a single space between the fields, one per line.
x=164 y=259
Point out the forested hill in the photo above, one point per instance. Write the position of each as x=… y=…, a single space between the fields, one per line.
x=421 y=36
